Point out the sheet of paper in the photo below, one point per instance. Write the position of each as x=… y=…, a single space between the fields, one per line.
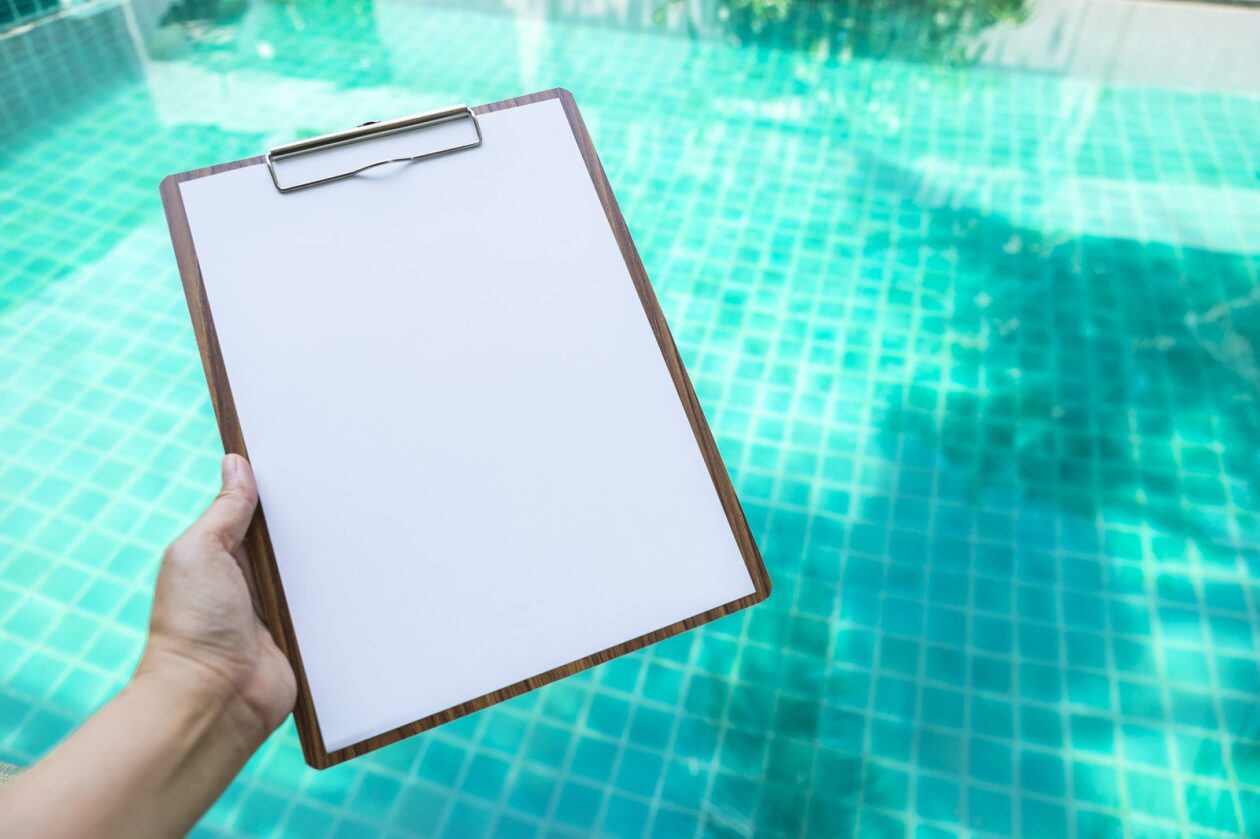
x=474 y=463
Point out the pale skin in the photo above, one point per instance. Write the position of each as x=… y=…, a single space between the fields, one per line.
x=209 y=688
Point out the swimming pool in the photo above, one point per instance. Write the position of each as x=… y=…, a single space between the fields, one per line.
x=978 y=347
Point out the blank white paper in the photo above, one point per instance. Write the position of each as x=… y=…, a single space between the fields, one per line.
x=474 y=464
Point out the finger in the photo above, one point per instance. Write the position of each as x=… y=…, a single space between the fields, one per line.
x=227 y=518
x=247 y=571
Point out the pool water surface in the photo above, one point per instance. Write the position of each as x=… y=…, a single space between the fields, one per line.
x=978 y=347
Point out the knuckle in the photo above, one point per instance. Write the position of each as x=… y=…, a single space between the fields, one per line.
x=231 y=495
x=176 y=552
x=236 y=495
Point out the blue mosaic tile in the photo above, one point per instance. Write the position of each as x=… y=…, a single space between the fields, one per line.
x=977 y=347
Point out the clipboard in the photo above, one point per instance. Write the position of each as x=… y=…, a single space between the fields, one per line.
x=653 y=529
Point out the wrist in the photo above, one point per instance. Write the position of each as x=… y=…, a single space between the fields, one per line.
x=210 y=701
x=147 y=765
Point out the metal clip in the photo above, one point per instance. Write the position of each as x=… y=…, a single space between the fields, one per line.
x=367 y=131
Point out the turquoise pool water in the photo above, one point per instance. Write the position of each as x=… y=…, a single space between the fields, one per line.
x=979 y=348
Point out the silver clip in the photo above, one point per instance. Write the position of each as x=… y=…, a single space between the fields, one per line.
x=366 y=131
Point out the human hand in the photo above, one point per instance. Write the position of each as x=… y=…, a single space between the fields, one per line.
x=209 y=689
x=205 y=631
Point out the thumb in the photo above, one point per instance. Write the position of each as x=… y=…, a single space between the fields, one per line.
x=228 y=516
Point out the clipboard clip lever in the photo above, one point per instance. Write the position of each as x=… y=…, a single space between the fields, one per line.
x=368 y=131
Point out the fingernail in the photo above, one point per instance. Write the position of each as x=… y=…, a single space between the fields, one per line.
x=231 y=467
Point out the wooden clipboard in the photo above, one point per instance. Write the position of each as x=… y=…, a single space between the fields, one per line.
x=259 y=544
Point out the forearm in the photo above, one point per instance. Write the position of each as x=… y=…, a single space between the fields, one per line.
x=211 y=687
x=147 y=765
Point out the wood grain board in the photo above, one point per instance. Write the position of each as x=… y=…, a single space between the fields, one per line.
x=269 y=585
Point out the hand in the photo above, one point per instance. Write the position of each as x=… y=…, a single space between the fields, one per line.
x=210 y=688
x=205 y=628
